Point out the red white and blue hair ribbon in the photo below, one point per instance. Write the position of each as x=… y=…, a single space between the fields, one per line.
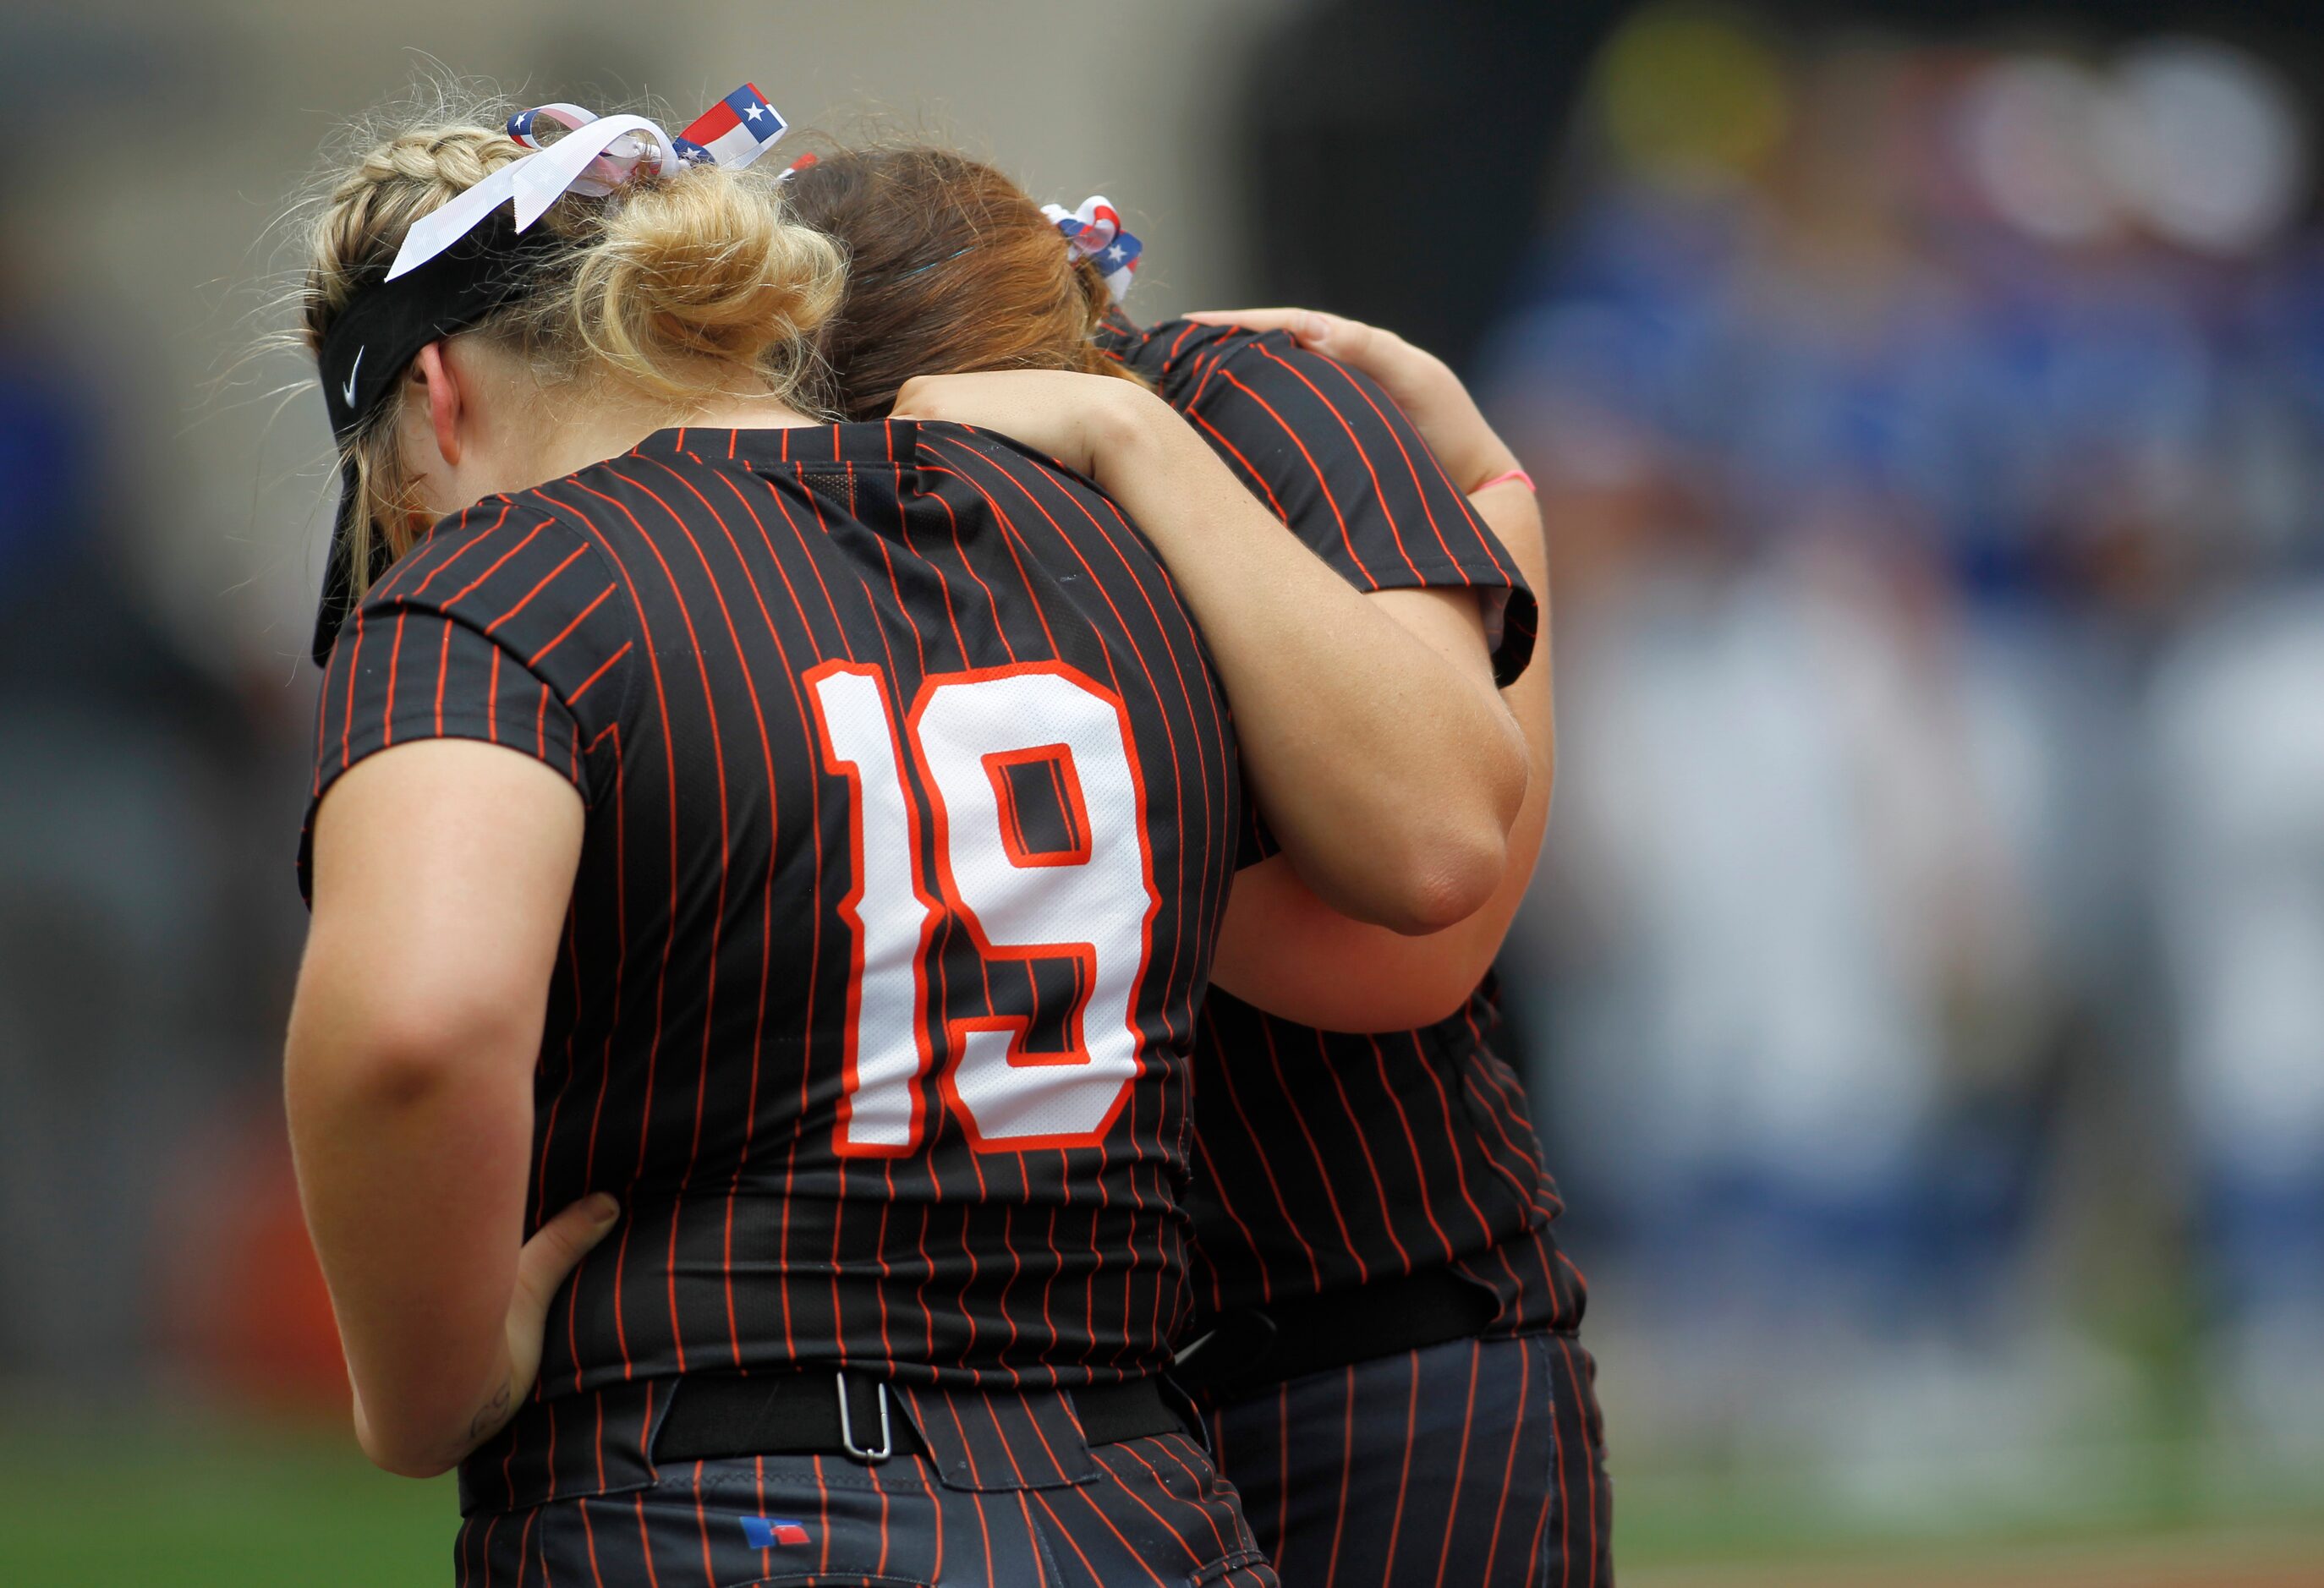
x=571 y=117
x=596 y=155
x=735 y=130
x=604 y=173
x=1095 y=232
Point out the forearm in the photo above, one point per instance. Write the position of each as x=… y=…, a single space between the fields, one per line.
x=1388 y=776
x=1285 y=950
x=410 y=1169
x=1442 y=967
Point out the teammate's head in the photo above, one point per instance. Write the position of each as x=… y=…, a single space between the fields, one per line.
x=681 y=288
x=952 y=268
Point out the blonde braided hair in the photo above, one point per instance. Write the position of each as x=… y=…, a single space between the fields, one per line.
x=690 y=286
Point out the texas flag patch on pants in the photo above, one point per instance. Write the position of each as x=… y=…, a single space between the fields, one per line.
x=767 y=1533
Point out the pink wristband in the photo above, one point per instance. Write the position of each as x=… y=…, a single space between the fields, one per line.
x=1518 y=474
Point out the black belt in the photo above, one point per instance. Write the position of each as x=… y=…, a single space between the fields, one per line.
x=848 y=1413
x=1231 y=1354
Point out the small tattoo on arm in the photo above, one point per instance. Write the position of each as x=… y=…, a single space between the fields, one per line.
x=490 y=1416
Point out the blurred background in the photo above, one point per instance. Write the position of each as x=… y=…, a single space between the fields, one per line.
x=1923 y=991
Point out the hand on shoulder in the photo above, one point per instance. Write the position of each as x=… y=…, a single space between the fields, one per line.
x=1422 y=384
x=1082 y=421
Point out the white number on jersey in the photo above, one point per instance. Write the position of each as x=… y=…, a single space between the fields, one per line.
x=1091 y=901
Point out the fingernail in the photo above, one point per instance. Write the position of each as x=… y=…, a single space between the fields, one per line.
x=1314 y=328
x=602 y=1209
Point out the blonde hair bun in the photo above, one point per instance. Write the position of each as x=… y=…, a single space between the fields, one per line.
x=692 y=285
x=703 y=265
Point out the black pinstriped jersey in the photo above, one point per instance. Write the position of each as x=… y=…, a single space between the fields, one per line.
x=1325 y=1159
x=911 y=807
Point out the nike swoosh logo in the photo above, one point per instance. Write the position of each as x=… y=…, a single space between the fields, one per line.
x=348 y=390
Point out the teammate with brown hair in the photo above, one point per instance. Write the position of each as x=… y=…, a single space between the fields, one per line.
x=762 y=873
x=1388 y=1339
x=927 y=232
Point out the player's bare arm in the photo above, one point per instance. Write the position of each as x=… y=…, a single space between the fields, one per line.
x=1345 y=975
x=1387 y=766
x=409 y=1082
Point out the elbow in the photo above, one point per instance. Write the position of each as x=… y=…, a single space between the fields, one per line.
x=405 y=1452
x=1455 y=862
x=406 y=1446
x=1448 y=881
x=1460 y=864
x=384 y=1057
x=407 y=1462
x=1458 y=887
x=382 y=1073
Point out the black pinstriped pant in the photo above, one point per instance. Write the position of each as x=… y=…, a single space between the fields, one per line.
x=1471 y=1464
x=1153 y=1513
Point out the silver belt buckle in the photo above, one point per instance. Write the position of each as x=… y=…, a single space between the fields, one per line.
x=847 y=1426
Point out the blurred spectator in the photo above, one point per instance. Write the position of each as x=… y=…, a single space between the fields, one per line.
x=125 y=1006
x=2239 y=753
x=1893 y=401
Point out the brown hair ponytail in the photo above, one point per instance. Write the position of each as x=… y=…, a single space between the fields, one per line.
x=952 y=268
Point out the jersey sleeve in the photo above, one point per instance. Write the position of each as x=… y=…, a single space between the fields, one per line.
x=1338 y=461
x=505 y=625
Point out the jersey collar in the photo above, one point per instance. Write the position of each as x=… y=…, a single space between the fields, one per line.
x=880 y=442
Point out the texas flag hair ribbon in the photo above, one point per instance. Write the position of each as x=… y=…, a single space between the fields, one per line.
x=1095 y=232
x=736 y=129
x=596 y=155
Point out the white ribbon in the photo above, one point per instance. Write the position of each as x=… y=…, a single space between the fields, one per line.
x=537 y=181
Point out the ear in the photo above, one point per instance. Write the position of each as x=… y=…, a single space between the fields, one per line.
x=446 y=399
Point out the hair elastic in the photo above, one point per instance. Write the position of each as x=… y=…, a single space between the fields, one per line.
x=1094 y=233
x=1503 y=478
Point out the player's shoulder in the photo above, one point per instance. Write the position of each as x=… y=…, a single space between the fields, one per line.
x=1176 y=354
x=509 y=565
x=932 y=437
x=493 y=533
x=988 y=458
x=594 y=502
x=612 y=511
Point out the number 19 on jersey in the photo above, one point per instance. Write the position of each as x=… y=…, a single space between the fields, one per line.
x=1088 y=899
